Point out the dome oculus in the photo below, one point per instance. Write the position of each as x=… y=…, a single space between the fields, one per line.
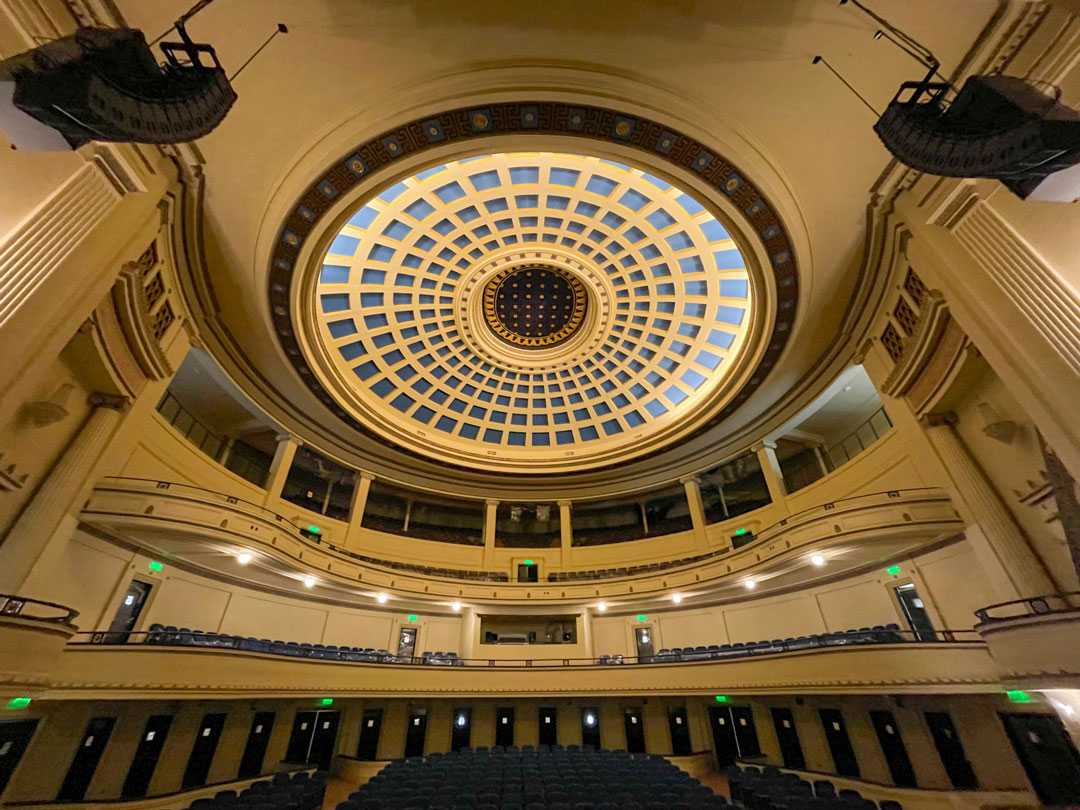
x=535 y=306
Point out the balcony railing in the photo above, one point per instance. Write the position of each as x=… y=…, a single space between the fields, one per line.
x=27 y=608
x=183 y=638
x=191 y=428
x=861 y=438
x=1031 y=606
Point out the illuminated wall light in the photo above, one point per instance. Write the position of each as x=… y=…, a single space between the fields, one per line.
x=750 y=584
x=326 y=702
x=676 y=598
x=590 y=719
x=244 y=557
x=382 y=598
x=601 y=607
x=461 y=721
x=1018 y=696
x=893 y=570
x=456 y=607
x=817 y=560
x=156 y=567
x=18 y=703
x=308 y=580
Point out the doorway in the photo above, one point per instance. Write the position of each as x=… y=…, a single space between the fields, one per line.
x=251 y=763
x=635 y=731
x=723 y=730
x=788 y=737
x=680 y=731
x=590 y=727
x=915 y=612
x=643 y=638
x=742 y=718
x=1047 y=754
x=367 y=749
x=892 y=746
x=202 y=752
x=549 y=726
x=406 y=647
x=137 y=781
x=313 y=739
x=127 y=615
x=415 y=734
x=86 y=759
x=461 y=733
x=951 y=750
x=504 y=727
x=15 y=737
x=836 y=734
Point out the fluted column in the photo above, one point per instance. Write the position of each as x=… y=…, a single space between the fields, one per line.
x=44 y=515
x=280 y=466
x=1012 y=566
x=697 y=509
x=770 y=468
x=491 y=510
x=566 y=531
x=356 y=513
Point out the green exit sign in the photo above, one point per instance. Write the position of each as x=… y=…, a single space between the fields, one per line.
x=326 y=702
x=18 y=703
x=156 y=567
x=893 y=570
x=739 y=532
x=412 y=617
x=641 y=617
x=722 y=699
x=314 y=529
x=1018 y=696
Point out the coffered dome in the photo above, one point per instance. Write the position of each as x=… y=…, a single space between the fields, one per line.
x=519 y=311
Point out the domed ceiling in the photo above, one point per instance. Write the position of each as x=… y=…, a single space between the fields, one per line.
x=519 y=311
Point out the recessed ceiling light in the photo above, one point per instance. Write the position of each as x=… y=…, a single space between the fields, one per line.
x=382 y=598
x=676 y=598
x=309 y=581
x=244 y=557
x=817 y=560
x=601 y=607
x=749 y=584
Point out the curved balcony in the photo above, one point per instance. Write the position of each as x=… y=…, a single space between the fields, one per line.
x=32 y=635
x=1033 y=640
x=178 y=668
x=183 y=522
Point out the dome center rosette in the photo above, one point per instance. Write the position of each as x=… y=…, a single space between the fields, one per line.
x=531 y=312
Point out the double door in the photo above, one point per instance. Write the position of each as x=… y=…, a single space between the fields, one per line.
x=313 y=739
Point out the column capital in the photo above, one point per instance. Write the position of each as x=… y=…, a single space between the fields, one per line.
x=690 y=479
x=113 y=402
x=565 y=502
x=491 y=501
x=287 y=437
x=366 y=475
x=763 y=444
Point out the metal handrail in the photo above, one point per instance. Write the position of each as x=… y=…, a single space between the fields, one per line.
x=188 y=639
x=1032 y=606
x=869 y=421
x=24 y=607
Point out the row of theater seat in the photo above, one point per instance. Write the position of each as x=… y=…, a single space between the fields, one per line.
x=425 y=570
x=302 y=791
x=769 y=788
x=631 y=570
x=170 y=635
x=878 y=634
x=543 y=778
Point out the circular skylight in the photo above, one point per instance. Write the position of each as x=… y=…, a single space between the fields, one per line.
x=529 y=308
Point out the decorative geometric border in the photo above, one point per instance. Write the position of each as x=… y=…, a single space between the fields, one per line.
x=540 y=117
x=564 y=333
